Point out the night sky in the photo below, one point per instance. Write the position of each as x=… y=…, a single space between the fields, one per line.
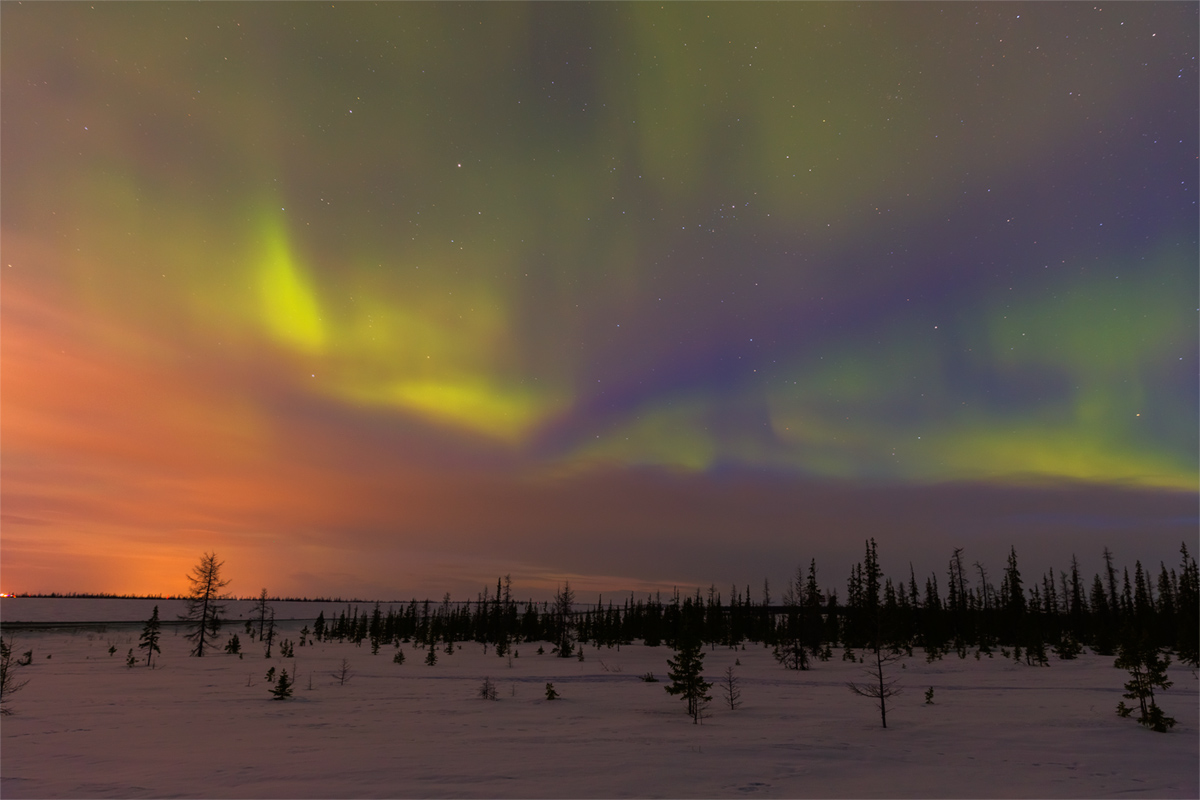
x=384 y=300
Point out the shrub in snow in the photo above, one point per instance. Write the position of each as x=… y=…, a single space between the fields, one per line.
x=550 y=693
x=9 y=685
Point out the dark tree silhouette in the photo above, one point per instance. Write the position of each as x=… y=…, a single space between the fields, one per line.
x=880 y=687
x=343 y=673
x=149 y=637
x=204 y=606
x=729 y=685
x=9 y=684
x=1147 y=671
x=269 y=636
x=687 y=676
x=1187 y=611
x=262 y=610
x=564 y=599
x=283 y=688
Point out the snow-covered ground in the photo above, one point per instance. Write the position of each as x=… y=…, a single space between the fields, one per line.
x=88 y=726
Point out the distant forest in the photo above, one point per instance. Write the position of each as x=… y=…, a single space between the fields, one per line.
x=1027 y=619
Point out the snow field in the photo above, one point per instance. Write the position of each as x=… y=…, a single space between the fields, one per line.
x=88 y=726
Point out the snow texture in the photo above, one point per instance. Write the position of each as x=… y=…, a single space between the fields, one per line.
x=86 y=725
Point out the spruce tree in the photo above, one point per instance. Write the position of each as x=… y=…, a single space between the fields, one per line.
x=551 y=694
x=149 y=638
x=262 y=609
x=1147 y=668
x=687 y=675
x=269 y=636
x=283 y=688
x=564 y=600
x=1187 y=611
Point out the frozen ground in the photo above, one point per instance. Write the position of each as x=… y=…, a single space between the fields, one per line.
x=88 y=726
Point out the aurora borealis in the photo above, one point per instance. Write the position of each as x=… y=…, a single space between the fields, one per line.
x=388 y=299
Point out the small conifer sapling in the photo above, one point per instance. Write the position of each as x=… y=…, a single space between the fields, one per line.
x=733 y=693
x=283 y=688
x=150 y=636
x=343 y=673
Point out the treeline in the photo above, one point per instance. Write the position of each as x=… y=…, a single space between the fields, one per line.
x=91 y=596
x=1030 y=617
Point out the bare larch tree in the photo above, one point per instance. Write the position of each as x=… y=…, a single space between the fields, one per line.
x=204 y=606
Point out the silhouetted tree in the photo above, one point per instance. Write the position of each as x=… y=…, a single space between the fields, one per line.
x=283 y=687
x=880 y=687
x=729 y=685
x=262 y=610
x=204 y=606
x=687 y=675
x=1147 y=671
x=9 y=684
x=1187 y=611
x=564 y=599
x=149 y=638
x=269 y=636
